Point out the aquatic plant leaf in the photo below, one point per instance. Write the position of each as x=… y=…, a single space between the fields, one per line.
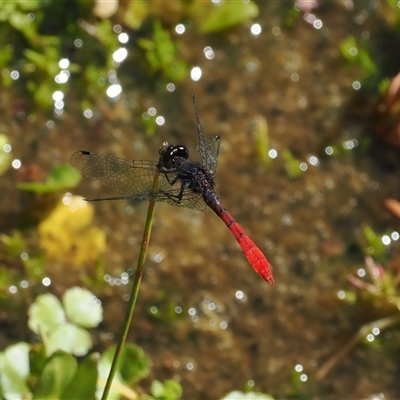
x=161 y=54
x=354 y=53
x=134 y=363
x=83 y=384
x=18 y=356
x=236 y=395
x=135 y=14
x=14 y=368
x=61 y=177
x=5 y=156
x=82 y=307
x=28 y=5
x=69 y=338
x=168 y=390
x=373 y=240
x=226 y=15
x=45 y=314
x=56 y=376
x=292 y=165
x=178 y=70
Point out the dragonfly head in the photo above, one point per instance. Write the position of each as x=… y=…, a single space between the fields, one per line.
x=170 y=154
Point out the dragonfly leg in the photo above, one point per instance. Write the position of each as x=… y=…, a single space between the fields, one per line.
x=166 y=173
x=175 y=198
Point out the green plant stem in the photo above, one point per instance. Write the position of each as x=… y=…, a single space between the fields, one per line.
x=135 y=290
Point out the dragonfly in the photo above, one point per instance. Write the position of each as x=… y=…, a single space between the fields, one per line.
x=183 y=182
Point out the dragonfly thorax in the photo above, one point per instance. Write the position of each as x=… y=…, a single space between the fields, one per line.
x=195 y=176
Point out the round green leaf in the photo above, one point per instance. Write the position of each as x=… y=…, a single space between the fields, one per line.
x=17 y=356
x=82 y=307
x=57 y=374
x=134 y=363
x=70 y=338
x=14 y=368
x=84 y=383
x=168 y=390
x=236 y=395
x=45 y=313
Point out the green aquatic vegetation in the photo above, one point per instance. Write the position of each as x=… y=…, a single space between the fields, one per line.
x=262 y=139
x=354 y=53
x=149 y=123
x=15 y=258
x=61 y=177
x=13 y=244
x=167 y=390
x=161 y=54
x=5 y=155
x=63 y=378
x=212 y=17
x=292 y=164
x=50 y=369
x=373 y=242
x=36 y=36
x=136 y=13
x=62 y=326
x=236 y=395
x=380 y=289
x=14 y=14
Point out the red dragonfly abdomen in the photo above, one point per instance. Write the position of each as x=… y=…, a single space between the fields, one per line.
x=254 y=255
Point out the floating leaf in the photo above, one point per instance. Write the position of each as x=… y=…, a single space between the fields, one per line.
x=69 y=338
x=61 y=177
x=82 y=307
x=217 y=17
x=236 y=395
x=168 y=390
x=56 y=376
x=134 y=363
x=14 y=368
x=83 y=385
x=17 y=356
x=45 y=314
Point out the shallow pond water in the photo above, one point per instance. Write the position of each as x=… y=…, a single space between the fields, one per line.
x=203 y=316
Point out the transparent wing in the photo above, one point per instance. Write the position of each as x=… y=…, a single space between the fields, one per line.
x=208 y=148
x=207 y=152
x=135 y=179
x=189 y=199
x=125 y=176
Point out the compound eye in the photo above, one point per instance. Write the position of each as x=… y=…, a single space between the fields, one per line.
x=180 y=151
x=170 y=153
